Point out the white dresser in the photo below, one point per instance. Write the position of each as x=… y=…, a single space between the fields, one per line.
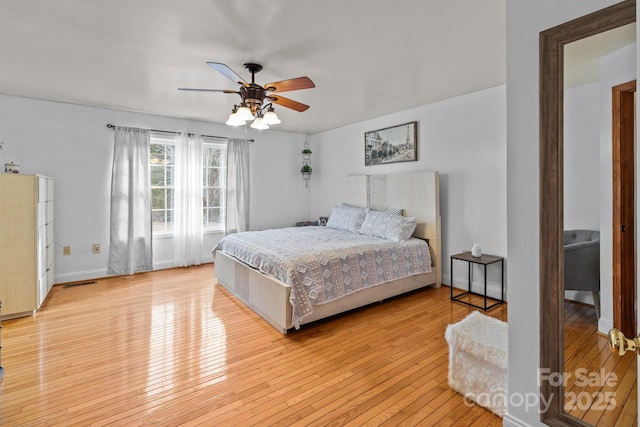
x=26 y=237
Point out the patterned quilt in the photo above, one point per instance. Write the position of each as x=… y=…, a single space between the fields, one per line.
x=322 y=264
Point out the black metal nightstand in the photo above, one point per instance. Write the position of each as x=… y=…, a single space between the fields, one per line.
x=485 y=260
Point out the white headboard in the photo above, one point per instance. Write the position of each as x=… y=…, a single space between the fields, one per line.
x=418 y=193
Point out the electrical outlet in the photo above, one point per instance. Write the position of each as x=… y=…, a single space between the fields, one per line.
x=66 y=250
x=96 y=248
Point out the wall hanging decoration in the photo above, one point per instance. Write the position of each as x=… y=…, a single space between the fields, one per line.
x=391 y=145
x=306 y=167
x=11 y=168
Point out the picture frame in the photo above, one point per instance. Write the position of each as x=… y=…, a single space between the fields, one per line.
x=391 y=145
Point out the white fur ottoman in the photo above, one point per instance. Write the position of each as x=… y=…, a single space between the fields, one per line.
x=478 y=360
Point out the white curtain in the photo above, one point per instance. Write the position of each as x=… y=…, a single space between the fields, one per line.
x=237 y=202
x=188 y=201
x=130 y=234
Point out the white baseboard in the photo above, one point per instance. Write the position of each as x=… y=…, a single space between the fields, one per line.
x=79 y=276
x=100 y=273
x=509 y=421
x=170 y=263
x=605 y=325
x=163 y=265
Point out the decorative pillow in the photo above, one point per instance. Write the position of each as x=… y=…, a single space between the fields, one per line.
x=400 y=228
x=348 y=218
x=388 y=225
x=373 y=221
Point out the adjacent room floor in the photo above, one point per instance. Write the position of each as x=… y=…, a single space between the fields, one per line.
x=596 y=375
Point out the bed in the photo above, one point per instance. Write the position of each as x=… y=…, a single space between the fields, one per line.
x=269 y=288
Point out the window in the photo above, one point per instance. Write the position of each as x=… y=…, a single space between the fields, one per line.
x=214 y=155
x=163 y=171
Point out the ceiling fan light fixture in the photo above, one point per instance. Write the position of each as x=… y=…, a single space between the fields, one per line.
x=271 y=118
x=233 y=119
x=244 y=113
x=254 y=95
x=259 y=123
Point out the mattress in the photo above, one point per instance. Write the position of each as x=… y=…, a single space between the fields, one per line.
x=322 y=264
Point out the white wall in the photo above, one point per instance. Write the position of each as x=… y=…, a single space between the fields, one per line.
x=72 y=144
x=464 y=138
x=525 y=20
x=582 y=157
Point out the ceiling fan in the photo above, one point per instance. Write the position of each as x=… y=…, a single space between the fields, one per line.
x=253 y=96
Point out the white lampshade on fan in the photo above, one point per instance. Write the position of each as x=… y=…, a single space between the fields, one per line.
x=259 y=123
x=271 y=118
x=234 y=120
x=244 y=113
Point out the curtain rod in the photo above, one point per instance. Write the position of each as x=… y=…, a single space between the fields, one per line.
x=110 y=126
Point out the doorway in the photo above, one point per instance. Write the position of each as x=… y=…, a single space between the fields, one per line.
x=623 y=154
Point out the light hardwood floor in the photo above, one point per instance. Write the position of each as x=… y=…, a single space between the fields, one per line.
x=596 y=374
x=172 y=348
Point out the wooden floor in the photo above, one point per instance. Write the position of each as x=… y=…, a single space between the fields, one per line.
x=171 y=348
x=602 y=387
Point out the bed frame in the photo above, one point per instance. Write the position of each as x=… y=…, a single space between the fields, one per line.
x=417 y=193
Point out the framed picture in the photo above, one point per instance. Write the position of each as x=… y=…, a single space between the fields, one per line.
x=390 y=145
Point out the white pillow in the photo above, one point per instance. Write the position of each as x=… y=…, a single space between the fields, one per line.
x=388 y=225
x=373 y=221
x=348 y=218
x=400 y=228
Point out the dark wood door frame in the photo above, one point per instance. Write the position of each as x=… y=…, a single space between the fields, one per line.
x=623 y=153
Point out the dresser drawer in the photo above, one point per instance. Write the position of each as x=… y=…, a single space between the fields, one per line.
x=43 y=195
x=49 y=216
x=42 y=213
x=49 y=232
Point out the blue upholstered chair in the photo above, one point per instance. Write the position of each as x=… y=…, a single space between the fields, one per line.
x=582 y=263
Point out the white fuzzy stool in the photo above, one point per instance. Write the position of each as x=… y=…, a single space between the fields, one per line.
x=478 y=360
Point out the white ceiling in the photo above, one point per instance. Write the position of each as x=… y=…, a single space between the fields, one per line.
x=367 y=58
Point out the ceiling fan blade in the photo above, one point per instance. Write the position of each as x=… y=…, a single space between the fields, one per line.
x=227 y=72
x=291 y=84
x=208 y=90
x=289 y=103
